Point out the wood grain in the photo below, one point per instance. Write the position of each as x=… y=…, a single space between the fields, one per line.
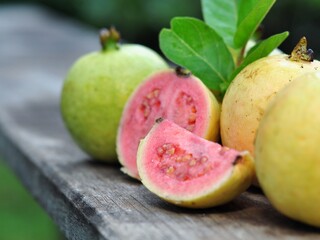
x=88 y=199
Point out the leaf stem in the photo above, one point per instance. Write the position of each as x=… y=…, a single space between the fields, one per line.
x=240 y=57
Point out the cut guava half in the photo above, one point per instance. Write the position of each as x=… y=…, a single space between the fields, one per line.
x=187 y=170
x=170 y=94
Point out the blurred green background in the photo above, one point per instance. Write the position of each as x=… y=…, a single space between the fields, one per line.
x=139 y=21
x=21 y=218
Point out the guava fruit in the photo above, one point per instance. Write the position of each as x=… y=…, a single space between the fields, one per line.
x=252 y=89
x=175 y=95
x=187 y=170
x=96 y=89
x=287 y=150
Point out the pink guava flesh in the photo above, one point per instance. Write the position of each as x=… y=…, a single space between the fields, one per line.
x=181 y=163
x=167 y=95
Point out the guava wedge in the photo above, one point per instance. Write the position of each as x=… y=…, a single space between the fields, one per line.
x=176 y=95
x=187 y=170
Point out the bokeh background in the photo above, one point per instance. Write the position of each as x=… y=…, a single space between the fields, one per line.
x=140 y=22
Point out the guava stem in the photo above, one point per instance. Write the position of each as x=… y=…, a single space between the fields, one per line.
x=182 y=72
x=109 y=39
x=301 y=53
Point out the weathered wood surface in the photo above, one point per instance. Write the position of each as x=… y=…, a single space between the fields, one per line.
x=87 y=199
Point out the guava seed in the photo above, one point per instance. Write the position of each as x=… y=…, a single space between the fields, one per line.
x=149 y=101
x=186 y=109
x=175 y=162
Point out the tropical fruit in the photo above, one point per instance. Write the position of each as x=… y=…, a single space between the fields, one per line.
x=287 y=150
x=96 y=89
x=187 y=170
x=176 y=95
x=249 y=93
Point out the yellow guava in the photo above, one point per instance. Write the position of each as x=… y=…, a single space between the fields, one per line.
x=287 y=150
x=252 y=89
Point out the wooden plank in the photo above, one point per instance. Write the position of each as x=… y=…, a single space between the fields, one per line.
x=87 y=199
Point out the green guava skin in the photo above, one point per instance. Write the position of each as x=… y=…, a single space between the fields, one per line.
x=287 y=150
x=95 y=91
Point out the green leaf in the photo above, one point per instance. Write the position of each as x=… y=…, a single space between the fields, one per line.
x=210 y=50
x=192 y=44
x=221 y=15
x=245 y=7
x=251 y=14
x=262 y=49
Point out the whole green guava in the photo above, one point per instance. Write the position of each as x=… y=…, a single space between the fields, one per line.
x=96 y=89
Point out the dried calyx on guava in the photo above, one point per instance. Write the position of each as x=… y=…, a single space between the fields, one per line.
x=287 y=150
x=97 y=87
x=176 y=95
x=254 y=87
x=187 y=170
